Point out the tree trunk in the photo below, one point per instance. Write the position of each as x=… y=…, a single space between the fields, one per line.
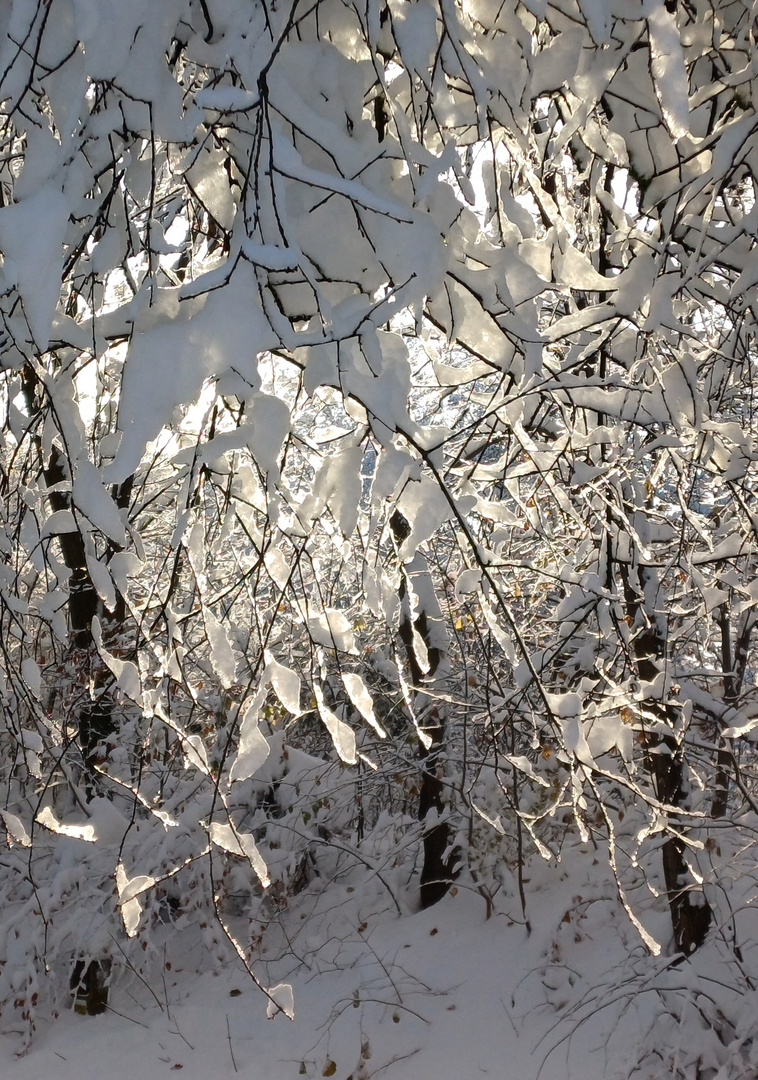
x=90 y=983
x=90 y=977
x=437 y=867
x=733 y=663
x=691 y=915
x=95 y=721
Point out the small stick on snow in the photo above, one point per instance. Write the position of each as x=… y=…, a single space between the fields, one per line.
x=229 y=1037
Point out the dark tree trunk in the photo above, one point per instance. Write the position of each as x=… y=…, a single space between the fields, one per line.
x=90 y=978
x=691 y=914
x=437 y=867
x=90 y=983
x=95 y=721
x=733 y=663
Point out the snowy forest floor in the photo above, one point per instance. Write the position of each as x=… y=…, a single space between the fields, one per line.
x=434 y=995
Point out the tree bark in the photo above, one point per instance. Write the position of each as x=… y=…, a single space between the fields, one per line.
x=691 y=914
x=733 y=663
x=95 y=720
x=90 y=977
x=437 y=866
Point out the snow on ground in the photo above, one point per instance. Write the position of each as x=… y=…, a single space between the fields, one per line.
x=444 y=994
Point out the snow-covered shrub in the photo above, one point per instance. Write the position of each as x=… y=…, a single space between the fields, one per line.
x=378 y=460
